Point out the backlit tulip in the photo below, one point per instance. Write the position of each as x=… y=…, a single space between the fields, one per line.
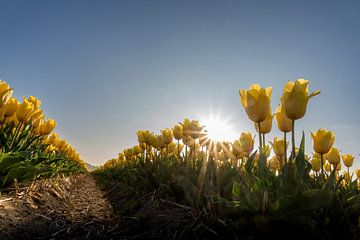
x=178 y=132
x=256 y=102
x=167 y=135
x=195 y=129
x=140 y=136
x=327 y=167
x=357 y=172
x=278 y=146
x=24 y=111
x=315 y=164
x=36 y=102
x=322 y=140
x=295 y=98
x=247 y=142
x=186 y=127
x=5 y=93
x=333 y=156
x=265 y=126
x=10 y=107
x=47 y=127
x=283 y=122
x=237 y=149
x=348 y=160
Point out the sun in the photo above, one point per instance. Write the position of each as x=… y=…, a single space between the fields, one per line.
x=218 y=129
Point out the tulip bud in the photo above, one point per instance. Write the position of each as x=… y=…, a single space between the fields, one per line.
x=178 y=132
x=348 y=160
x=247 y=142
x=47 y=127
x=167 y=135
x=283 y=122
x=24 y=112
x=5 y=93
x=295 y=98
x=10 y=107
x=333 y=156
x=323 y=140
x=278 y=146
x=265 y=126
x=256 y=102
x=316 y=164
x=357 y=172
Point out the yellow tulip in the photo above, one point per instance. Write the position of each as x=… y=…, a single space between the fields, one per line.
x=247 y=142
x=178 y=132
x=37 y=117
x=47 y=127
x=10 y=107
x=322 y=140
x=348 y=160
x=204 y=140
x=333 y=156
x=153 y=140
x=5 y=93
x=338 y=167
x=140 y=136
x=237 y=149
x=36 y=102
x=295 y=98
x=357 y=172
x=256 y=102
x=265 y=126
x=278 y=146
x=167 y=135
x=327 y=167
x=24 y=112
x=283 y=122
x=316 y=164
x=186 y=127
x=160 y=141
x=195 y=129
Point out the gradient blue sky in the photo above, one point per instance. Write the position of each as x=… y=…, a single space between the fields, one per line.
x=105 y=69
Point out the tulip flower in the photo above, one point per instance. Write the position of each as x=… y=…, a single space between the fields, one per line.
x=47 y=127
x=357 y=172
x=295 y=98
x=265 y=126
x=10 y=107
x=279 y=147
x=237 y=149
x=284 y=124
x=178 y=132
x=167 y=135
x=247 y=142
x=315 y=164
x=322 y=142
x=256 y=102
x=333 y=156
x=24 y=112
x=36 y=102
x=5 y=93
x=348 y=161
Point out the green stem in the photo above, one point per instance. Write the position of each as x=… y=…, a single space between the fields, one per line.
x=260 y=144
x=285 y=153
x=293 y=139
x=178 y=142
x=263 y=139
x=322 y=165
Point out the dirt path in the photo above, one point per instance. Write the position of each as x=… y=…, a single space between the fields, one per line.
x=64 y=208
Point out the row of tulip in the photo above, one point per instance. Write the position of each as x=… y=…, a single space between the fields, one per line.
x=240 y=182
x=29 y=147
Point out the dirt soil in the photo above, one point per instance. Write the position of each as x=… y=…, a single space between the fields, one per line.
x=63 y=208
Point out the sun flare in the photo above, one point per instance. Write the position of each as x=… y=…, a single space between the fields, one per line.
x=219 y=129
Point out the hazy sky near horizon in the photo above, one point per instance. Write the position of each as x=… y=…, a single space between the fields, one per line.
x=105 y=69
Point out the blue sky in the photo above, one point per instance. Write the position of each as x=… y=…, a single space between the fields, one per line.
x=105 y=69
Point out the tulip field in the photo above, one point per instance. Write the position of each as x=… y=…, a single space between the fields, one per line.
x=242 y=190
x=181 y=183
x=29 y=149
